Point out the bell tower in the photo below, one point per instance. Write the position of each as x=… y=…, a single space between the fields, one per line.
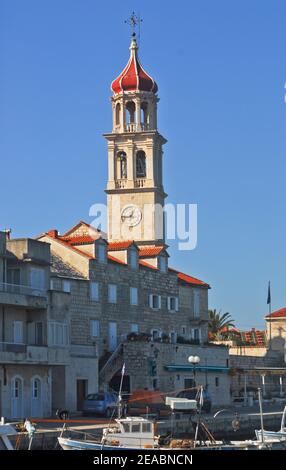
x=135 y=193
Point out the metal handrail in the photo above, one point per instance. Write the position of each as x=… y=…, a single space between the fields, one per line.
x=20 y=289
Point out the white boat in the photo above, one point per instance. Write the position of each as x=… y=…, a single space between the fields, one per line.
x=267 y=436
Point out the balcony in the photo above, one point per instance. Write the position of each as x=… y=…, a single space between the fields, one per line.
x=132 y=127
x=22 y=296
x=121 y=184
x=139 y=183
x=11 y=353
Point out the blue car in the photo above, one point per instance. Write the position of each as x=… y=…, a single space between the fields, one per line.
x=102 y=403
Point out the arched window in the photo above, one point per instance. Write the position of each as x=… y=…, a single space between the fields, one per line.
x=140 y=164
x=130 y=107
x=36 y=388
x=117 y=114
x=144 y=113
x=122 y=165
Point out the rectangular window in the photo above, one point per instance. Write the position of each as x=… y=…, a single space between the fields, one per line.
x=196 y=334
x=58 y=334
x=37 y=278
x=13 y=276
x=155 y=301
x=94 y=290
x=66 y=286
x=94 y=328
x=173 y=304
x=196 y=303
x=112 y=293
x=18 y=336
x=155 y=334
x=217 y=381
x=133 y=296
x=52 y=284
x=134 y=328
x=39 y=333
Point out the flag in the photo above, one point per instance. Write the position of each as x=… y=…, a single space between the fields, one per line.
x=269 y=294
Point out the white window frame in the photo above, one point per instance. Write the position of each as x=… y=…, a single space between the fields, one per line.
x=175 y=335
x=112 y=293
x=66 y=286
x=94 y=328
x=156 y=330
x=94 y=291
x=37 y=278
x=18 y=332
x=134 y=328
x=58 y=334
x=133 y=295
x=151 y=301
x=176 y=306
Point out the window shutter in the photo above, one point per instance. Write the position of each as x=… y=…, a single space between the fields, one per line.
x=169 y=303
x=177 y=304
x=159 y=301
x=151 y=300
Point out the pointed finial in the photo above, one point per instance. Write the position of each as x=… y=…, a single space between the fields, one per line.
x=134 y=21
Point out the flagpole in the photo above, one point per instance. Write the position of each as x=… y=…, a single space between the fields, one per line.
x=269 y=313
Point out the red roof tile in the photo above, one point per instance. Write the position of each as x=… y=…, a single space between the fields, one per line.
x=278 y=313
x=117 y=246
x=79 y=240
x=150 y=250
x=189 y=279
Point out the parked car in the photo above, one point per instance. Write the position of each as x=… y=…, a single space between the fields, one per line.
x=102 y=403
x=192 y=395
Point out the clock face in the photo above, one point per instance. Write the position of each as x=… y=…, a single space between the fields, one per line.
x=131 y=215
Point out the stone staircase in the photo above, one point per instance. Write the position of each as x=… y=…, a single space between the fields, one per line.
x=109 y=367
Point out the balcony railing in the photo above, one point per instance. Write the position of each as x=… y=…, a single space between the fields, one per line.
x=13 y=347
x=139 y=183
x=132 y=127
x=120 y=184
x=19 y=289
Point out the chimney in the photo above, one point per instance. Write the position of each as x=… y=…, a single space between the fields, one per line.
x=7 y=232
x=53 y=233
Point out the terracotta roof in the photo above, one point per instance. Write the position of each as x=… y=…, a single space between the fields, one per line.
x=133 y=77
x=189 y=279
x=278 y=313
x=149 y=251
x=117 y=246
x=79 y=240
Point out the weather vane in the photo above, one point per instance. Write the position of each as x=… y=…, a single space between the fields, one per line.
x=134 y=21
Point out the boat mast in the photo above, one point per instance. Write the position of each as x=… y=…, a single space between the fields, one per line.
x=120 y=391
x=261 y=414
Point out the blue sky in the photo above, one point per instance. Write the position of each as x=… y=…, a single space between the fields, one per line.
x=221 y=69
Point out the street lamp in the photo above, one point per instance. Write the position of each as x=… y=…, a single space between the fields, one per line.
x=194 y=360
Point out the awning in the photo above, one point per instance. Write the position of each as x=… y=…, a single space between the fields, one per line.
x=191 y=368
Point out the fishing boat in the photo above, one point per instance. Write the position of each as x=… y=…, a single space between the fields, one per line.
x=267 y=436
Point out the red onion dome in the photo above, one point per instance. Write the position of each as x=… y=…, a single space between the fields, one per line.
x=133 y=77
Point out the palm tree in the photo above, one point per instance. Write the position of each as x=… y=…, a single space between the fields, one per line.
x=217 y=321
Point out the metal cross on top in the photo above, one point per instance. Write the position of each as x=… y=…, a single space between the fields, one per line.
x=134 y=21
